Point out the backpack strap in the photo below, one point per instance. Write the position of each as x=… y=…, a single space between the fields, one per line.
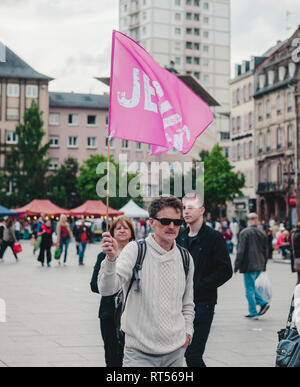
x=185 y=259
x=142 y=248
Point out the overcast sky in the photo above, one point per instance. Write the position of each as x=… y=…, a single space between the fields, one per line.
x=70 y=40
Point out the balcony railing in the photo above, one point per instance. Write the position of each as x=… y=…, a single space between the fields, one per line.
x=270 y=187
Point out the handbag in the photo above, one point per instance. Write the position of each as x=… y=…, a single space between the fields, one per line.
x=37 y=243
x=288 y=349
x=57 y=253
x=17 y=248
x=296 y=260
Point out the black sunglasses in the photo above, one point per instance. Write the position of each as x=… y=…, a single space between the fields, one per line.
x=167 y=221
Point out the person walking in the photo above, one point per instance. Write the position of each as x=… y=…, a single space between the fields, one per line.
x=122 y=230
x=64 y=237
x=251 y=260
x=228 y=239
x=18 y=229
x=83 y=237
x=46 y=243
x=212 y=269
x=295 y=252
x=158 y=317
x=9 y=238
x=234 y=227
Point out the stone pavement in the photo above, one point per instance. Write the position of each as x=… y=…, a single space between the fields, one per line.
x=52 y=316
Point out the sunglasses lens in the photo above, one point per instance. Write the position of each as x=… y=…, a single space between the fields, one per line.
x=167 y=222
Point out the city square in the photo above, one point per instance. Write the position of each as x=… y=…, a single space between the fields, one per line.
x=52 y=316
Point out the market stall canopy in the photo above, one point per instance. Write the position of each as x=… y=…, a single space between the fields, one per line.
x=37 y=207
x=132 y=210
x=94 y=208
x=6 y=212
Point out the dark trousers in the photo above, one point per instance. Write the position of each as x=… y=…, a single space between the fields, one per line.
x=113 y=349
x=204 y=315
x=41 y=256
x=4 y=246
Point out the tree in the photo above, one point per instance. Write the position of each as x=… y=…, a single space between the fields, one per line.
x=92 y=176
x=27 y=164
x=62 y=185
x=221 y=183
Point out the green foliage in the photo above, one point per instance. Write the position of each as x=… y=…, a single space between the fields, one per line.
x=27 y=164
x=92 y=173
x=221 y=183
x=62 y=185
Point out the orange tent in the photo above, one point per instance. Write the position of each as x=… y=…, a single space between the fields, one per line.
x=94 y=208
x=37 y=207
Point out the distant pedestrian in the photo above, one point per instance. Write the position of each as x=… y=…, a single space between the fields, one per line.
x=228 y=239
x=295 y=252
x=234 y=227
x=82 y=233
x=159 y=313
x=64 y=237
x=9 y=238
x=251 y=260
x=2 y=226
x=217 y=224
x=270 y=243
x=46 y=243
x=18 y=229
x=283 y=243
x=122 y=230
x=212 y=269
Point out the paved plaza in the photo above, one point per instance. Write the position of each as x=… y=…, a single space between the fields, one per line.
x=52 y=316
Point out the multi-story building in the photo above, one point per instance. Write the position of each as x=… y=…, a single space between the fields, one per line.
x=277 y=138
x=243 y=133
x=19 y=85
x=194 y=36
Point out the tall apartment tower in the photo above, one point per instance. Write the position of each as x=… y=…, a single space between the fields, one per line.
x=191 y=35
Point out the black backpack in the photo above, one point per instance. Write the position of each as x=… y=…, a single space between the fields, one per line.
x=120 y=302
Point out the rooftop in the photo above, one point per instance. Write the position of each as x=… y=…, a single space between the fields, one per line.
x=75 y=100
x=14 y=67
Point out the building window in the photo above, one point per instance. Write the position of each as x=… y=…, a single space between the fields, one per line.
x=196 y=61
x=197 y=75
x=206 y=48
x=54 y=119
x=278 y=104
x=226 y=152
x=73 y=119
x=197 y=46
x=250 y=149
x=238 y=123
x=250 y=120
x=233 y=125
x=178 y=3
x=177 y=31
x=32 y=91
x=138 y=146
x=279 y=174
x=279 y=138
x=206 y=20
x=290 y=102
x=196 y=3
x=54 y=142
x=91 y=120
x=189 y=16
x=112 y=143
x=196 y=16
x=12 y=114
x=261 y=143
x=13 y=90
x=290 y=136
x=197 y=31
x=125 y=144
x=189 y=60
x=260 y=112
x=189 y=31
x=92 y=142
x=269 y=141
x=206 y=5
x=188 y=2
x=206 y=34
x=189 y=45
x=11 y=138
x=72 y=142
x=268 y=109
x=178 y=16
x=54 y=165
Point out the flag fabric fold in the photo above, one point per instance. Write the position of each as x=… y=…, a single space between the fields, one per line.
x=148 y=104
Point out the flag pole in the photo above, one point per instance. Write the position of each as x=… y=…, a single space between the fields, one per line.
x=107 y=187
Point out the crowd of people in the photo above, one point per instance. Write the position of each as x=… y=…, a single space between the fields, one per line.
x=185 y=259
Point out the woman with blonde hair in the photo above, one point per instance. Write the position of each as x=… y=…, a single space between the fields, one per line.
x=122 y=230
x=64 y=236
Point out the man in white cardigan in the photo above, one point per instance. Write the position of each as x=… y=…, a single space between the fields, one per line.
x=157 y=320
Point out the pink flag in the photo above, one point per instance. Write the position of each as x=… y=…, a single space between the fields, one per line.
x=149 y=104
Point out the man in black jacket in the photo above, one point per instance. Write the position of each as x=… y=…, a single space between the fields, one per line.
x=212 y=269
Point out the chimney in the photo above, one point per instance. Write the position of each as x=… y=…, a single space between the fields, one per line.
x=2 y=53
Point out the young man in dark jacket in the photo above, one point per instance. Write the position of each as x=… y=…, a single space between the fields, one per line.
x=212 y=269
x=251 y=260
